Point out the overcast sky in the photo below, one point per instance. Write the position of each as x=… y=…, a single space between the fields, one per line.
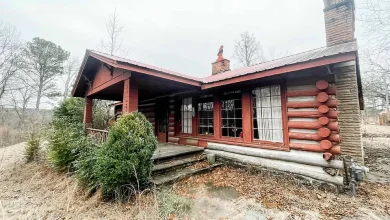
x=178 y=35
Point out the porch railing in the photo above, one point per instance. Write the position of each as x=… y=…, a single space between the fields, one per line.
x=100 y=135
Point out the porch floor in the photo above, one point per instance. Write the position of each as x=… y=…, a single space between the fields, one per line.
x=166 y=150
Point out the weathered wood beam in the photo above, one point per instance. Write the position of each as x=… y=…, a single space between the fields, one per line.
x=315 y=148
x=312 y=114
x=334 y=126
x=311 y=92
x=313 y=137
x=332 y=103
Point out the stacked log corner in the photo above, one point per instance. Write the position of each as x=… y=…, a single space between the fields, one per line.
x=313 y=118
x=171 y=122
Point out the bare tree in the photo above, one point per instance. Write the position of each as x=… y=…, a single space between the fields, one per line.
x=375 y=18
x=113 y=44
x=42 y=63
x=20 y=98
x=9 y=56
x=71 y=68
x=248 y=50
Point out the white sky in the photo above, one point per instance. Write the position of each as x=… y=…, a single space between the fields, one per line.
x=174 y=34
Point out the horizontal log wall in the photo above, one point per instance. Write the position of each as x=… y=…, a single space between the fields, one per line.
x=312 y=115
x=171 y=122
x=149 y=110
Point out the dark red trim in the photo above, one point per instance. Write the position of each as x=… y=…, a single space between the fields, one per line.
x=283 y=95
x=146 y=71
x=247 y=127
x=217 y=116
x=234 y=141
x=285 y=69
x=109 y=83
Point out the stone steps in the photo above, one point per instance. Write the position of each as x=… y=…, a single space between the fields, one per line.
x=178 y=174
x=176 y=163
x=161 y=155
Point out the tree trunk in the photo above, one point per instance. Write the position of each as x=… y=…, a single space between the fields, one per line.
x=39 y=94
x=387 y=106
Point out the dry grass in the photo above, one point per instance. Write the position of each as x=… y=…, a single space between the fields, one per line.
x=34 y=191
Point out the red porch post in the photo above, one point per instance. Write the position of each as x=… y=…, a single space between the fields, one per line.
x=217 y=116
x=130 y=96
x=247 y=116
x=88 y=112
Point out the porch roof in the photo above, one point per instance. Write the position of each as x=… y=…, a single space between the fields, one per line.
x=300 y=61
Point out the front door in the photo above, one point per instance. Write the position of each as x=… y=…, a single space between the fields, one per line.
x=162 y=121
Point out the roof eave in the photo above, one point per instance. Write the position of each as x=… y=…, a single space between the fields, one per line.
x=77 y=80
x=284 y=69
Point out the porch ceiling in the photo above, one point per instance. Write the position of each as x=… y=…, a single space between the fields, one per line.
x=148 y=87
x=151 y=87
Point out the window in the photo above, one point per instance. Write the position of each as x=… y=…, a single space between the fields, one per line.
x=231 y=114
x=206 y=115
x=267 y=114
x=186 y=116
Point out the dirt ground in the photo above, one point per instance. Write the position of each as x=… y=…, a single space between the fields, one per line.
x=33 y=191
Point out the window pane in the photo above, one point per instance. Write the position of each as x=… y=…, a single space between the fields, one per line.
x=256 y=123
x=277 y=135
x=231 y=114
x=267 y=113
x=238 y=113
x=224 y=132
x=277 y=124
x=224 y=123
x=237 y=103
x=224 y=114
x=267 y=135
x=275 y=90
x=265 y=102
x=186 y=115
x=277 y=112
x=265 y=92
x=211 y=130
x=275 y=101
x=256 y=133
x=205 y=114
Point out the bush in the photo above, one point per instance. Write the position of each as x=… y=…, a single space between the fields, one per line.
x=86 y=163
x=31 y=152
x=125 y=158
x=66 y=135
x=65 y=143
x=71 y=110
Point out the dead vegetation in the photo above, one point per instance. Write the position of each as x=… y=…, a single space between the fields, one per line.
x=282 y=194
x=34 y=191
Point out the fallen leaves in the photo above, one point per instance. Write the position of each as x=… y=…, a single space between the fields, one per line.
x=280 y=192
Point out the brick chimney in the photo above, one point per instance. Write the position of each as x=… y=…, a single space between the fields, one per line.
x=221 y=64
x=339 y=21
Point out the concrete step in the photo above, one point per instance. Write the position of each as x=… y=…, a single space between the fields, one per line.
x=162 y=154
x=177 y=175
x=176 y=163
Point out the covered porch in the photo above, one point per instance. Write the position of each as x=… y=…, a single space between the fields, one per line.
x=133 y=88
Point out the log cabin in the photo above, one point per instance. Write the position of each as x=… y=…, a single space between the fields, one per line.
x=297 y=113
